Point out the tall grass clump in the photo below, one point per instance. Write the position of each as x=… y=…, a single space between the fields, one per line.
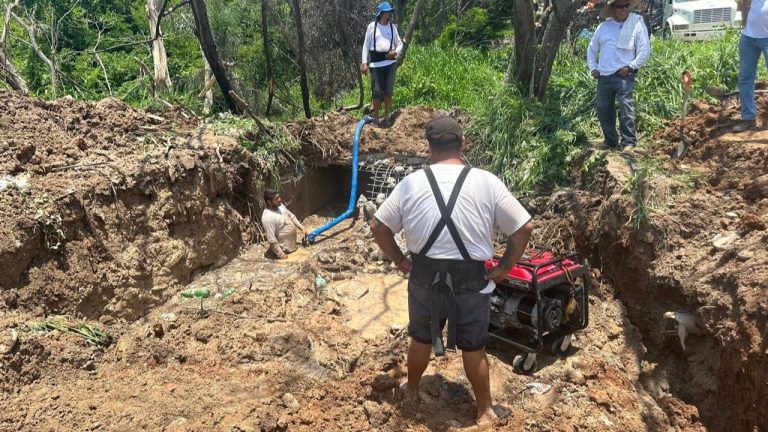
x=525 y=142
x=445 y=78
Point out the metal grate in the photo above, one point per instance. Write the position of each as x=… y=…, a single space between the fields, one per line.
x=384 y=176
x=717 y=15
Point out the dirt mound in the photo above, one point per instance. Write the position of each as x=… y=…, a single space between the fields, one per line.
x=102 y=207
x=328 y=139
x=706 y=122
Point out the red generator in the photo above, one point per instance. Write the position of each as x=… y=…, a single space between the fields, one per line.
x=541 y=303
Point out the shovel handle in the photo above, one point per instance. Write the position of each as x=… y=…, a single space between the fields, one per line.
x=686 y=79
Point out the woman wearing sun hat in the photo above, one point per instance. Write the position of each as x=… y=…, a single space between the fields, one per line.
x=380 y=49
x=621 y=42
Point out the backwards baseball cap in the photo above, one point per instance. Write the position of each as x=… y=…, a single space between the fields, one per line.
x=443 y=131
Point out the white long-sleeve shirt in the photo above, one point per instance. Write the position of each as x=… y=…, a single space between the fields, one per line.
x=383 y=42
x=612 y=58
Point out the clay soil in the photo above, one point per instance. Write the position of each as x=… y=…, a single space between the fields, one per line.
x=126 y=208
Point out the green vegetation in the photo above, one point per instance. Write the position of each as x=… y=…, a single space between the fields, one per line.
x=459 y=60
x=91 y=335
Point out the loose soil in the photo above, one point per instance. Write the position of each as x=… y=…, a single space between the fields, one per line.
x=317 y=342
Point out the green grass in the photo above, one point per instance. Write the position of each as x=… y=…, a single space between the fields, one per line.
x=91 y=335
x=444 y=78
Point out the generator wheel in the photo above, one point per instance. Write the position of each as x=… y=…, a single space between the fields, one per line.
x=518 y=363
x=562 y=347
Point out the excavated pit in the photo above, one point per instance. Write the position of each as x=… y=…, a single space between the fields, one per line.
x=116 y=222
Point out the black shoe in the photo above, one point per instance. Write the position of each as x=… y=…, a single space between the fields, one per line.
x=605 y=146
x=744 y=126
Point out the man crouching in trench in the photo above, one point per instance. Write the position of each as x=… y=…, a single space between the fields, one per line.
x=449 y=213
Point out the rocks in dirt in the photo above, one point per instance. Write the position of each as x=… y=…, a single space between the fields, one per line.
x=290 y=402
x=158 y=331
x=352 y=292
x=324 y=258
x=377 y=415
x=758 y=189
x=745 y=255
x=724 y=240
x=383 y=383
x=187 y=162
x=613 y=331
x=203 y=335
x=8 y=341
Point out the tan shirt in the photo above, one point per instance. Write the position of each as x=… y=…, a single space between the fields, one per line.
x=280 y=229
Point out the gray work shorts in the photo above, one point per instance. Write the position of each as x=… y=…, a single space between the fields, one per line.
x=473 y=312
x=383 y=81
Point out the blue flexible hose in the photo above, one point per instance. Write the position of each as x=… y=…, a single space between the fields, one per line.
x=312 y=237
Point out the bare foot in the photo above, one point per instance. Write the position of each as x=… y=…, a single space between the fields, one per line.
x=491 y=414
x=410 y=397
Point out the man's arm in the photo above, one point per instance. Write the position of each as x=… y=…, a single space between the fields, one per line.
x=398 y=41
x=386 y=241
x=592 y=51
x=270 y=232
x=366 y=46
x=516 y=244
x=643 y=47
x=296 y=222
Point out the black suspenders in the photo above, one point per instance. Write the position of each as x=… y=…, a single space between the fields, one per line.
x=445 y=212
x=378 y=55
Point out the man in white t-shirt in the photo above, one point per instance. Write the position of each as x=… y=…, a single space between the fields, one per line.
x=753 y=42
x=280 y=226
x=381 y=46
x=449 y=213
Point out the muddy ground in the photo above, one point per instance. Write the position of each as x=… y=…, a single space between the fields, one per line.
x=123 y=209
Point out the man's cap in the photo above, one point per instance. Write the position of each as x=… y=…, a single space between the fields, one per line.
x=384 y=7
x=444 y=131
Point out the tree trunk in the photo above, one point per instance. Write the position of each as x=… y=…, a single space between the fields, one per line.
x=10 y=76
x=267 y=55
x=159 y=59
x=50 y=62
x=8 y=73
x=204 y=35
x=301 y=60
x=530 y=65
x=409 y=32
x=207 y=88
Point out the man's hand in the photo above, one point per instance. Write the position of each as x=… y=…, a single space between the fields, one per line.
x=364 y=68
x=497 y=274
x=404 y=264
x=595 y=74
x=623 y=72
x=392 y=54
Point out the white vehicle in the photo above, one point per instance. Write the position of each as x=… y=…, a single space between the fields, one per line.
x=695 y=19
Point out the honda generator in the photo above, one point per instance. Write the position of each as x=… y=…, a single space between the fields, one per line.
x=541 y=303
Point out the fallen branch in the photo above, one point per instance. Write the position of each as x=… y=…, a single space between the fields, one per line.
x=247 y=109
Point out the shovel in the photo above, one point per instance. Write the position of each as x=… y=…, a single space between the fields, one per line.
x=722 y=94
x=686 y=79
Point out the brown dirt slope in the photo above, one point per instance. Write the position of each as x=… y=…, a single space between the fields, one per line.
x=120 y=204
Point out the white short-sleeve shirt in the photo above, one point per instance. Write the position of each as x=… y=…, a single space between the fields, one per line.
x=484 y=207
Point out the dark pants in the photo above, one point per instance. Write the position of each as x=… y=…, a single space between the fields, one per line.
x=609 y=89
x=383 y=81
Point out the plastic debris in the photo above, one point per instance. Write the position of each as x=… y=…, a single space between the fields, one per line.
x=538 y=388
x=199 y=293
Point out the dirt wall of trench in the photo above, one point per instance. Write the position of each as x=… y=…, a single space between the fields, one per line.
x=658 y=242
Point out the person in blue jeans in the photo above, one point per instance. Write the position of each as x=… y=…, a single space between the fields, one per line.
x=753 y=41
x=618 y=49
